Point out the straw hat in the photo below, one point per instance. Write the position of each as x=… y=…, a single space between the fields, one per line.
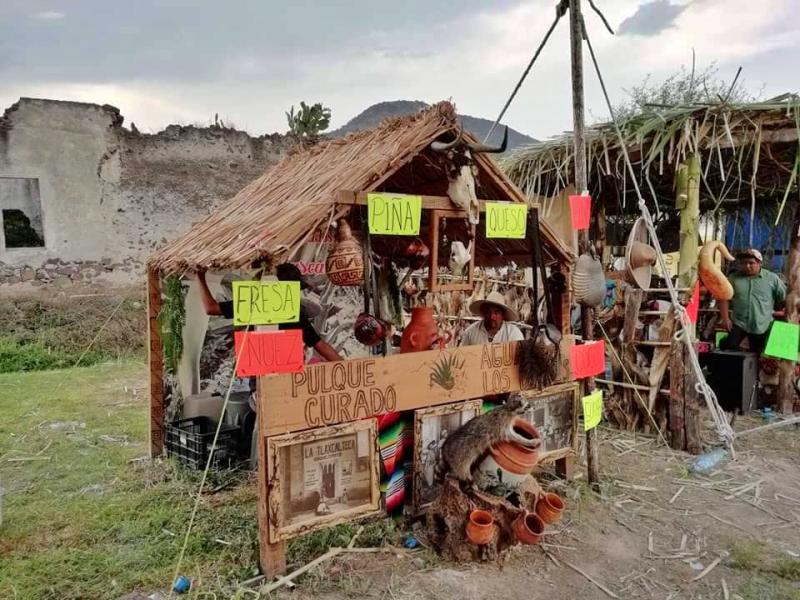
x=639 y=255
x=493 y=299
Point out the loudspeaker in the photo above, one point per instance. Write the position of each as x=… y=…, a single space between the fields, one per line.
x=733 y=376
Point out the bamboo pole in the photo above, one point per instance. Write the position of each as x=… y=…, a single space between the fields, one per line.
x=689 y=184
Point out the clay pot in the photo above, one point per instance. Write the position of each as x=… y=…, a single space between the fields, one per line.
x=711 y=275
x=480 y=527
x=528 y=528
x=550 y=508
x=421 y=332
x=525 y=433
x=345 y=263
x=370 y=330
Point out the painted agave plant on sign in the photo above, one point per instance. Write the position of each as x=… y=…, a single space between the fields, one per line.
x=446 y=371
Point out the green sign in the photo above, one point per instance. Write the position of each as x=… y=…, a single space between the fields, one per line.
x=266 y=302
x=783 y=341
x=719 y=336
x=506 y=220
x=394 y=214
x=592 y=409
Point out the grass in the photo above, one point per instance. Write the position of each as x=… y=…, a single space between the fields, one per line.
x=53 y=333
x=771 y=575
x=89 y=523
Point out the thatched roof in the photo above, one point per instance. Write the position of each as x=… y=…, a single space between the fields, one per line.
x=275 y=214
x=747 y=150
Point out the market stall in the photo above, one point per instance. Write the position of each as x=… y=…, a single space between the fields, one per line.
x=404 y=230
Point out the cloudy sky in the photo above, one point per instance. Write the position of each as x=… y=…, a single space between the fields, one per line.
x=168 y=61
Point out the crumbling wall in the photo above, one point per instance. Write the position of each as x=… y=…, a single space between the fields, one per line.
x=109 y=195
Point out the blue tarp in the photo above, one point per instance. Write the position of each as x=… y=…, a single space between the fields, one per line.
x=772 y=241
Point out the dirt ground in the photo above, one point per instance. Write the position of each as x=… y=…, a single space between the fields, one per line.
x=654 y=531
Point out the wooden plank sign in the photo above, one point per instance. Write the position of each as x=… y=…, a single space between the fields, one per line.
x=266 y=302
x=506 y=220
x=394 y=214
x=268 y=352
x=322 y=477
x=338 y=392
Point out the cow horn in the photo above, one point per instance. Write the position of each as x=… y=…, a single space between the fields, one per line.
x=445 y=146
x=476 y=148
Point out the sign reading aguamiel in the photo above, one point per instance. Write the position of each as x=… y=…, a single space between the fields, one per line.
x=338 y=392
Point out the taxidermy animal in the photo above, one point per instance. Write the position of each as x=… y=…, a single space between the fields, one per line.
x=462 y=170
x=459 y=257
x=711 y=275
x=468 y=445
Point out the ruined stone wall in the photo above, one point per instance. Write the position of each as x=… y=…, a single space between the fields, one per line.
x=109 y=195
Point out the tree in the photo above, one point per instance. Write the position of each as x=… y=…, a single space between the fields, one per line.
x=309 y=121
x=682 y=87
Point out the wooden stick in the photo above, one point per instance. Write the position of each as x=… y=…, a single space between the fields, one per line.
x=678 y=493
x=27 y=458
x=304 y=569
x=710 y=567
x=775 y=425
x=590 y=578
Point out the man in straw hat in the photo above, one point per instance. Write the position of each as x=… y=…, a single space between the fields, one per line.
x=757 y=292
x=494 y=327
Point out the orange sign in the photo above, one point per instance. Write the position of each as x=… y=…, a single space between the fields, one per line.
x=268 y=352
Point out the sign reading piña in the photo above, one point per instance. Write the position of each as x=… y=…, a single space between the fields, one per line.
x=266 y=302
x=394 y=214
x=506 y=220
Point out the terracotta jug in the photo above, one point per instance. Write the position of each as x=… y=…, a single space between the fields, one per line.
x=528 y=528
x=421 y=332
x=480 y=527
x=550 y=507
x=345 y=263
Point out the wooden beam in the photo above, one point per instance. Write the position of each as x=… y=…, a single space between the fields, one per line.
x=346 y=197
x=691 y=411
x=271 y=557
x=155 y=361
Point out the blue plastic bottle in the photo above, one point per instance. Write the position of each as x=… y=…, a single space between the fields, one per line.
x=709 y=460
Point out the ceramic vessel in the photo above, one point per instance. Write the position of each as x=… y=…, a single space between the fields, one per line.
x=528 y=528
x=370 y=330
x=345 y=263
x=711 y=275
x=550 y=508
x=480 y=527
x=421 y=332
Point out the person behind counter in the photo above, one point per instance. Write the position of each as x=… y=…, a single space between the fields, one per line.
x=757 y=292
x=494 y=327
x=284 y=272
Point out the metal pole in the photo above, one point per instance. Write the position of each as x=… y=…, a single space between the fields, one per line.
x=581 y=183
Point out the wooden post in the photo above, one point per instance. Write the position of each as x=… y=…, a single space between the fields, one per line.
x=271 y=557
x=155 y=361
x=676 y=395
x=786 y=392
x=581 y=184
x=693 y=426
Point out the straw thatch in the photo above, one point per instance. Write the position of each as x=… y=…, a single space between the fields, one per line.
x=747 y=150
x=275 y=214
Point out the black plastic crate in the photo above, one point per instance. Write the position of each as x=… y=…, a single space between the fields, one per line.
x=190 y=441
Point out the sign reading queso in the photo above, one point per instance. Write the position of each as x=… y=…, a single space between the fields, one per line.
x=350 y=390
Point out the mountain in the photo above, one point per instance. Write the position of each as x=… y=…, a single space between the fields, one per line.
x=376 y=113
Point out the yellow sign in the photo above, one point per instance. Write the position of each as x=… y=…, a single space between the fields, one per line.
x=672 y=259
x=266 y=302
x=506 y=220
x=592 y=409
x=394 y=214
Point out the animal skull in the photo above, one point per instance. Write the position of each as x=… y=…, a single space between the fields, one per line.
x=462 y=171
x=460 y=256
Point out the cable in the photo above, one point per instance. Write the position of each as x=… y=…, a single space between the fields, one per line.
x=724 y=430
x=561 y=10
